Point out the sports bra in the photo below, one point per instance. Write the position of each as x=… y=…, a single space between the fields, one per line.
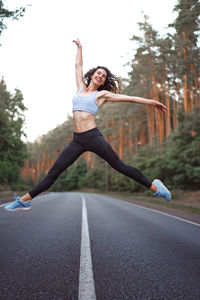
x=85 y=103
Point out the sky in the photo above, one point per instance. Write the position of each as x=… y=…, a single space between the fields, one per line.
x=37 y=54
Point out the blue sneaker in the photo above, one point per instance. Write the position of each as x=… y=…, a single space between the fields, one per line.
x=18 y=205
x=162 y=190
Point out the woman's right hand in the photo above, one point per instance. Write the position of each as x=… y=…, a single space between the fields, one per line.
x=77 y=42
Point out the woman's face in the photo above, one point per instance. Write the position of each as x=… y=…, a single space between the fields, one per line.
x=99 y=77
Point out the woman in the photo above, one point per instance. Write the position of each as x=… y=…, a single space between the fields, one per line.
x=100 y=86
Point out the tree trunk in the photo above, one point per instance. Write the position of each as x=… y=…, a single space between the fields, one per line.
x=130 y=130
x=168 y=127
x=120 y=139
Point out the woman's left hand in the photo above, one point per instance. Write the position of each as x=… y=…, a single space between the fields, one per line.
x=159 y=106
x=77 y=42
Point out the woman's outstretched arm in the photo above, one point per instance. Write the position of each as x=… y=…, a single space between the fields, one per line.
x=111 y=97
x=79 y=66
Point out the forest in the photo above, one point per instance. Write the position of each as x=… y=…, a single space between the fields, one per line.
x=164 y=68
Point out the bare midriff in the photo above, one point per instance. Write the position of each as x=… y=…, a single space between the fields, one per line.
x=83 y=121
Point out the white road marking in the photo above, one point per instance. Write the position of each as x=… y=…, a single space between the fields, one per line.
x=157 y=211
x=160 y=212
x=86 y=279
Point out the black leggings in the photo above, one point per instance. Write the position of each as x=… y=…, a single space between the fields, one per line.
x=91 y=140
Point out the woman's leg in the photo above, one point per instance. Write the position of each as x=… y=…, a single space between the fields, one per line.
x=64 y=160
x=103 y=149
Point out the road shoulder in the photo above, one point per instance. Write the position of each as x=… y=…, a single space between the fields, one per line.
x=193 y=217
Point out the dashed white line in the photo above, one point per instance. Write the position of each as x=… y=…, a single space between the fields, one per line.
x=86 y=279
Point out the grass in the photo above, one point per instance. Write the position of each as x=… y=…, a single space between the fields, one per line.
x=6 y=194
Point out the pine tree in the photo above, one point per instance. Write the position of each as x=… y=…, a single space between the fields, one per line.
x=186 y=47
x=12 y=149
x=6 y=13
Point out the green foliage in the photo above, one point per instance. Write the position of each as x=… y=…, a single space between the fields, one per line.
x=52 y=142
x=21 y=185
x=12 y=149
x=123 y=183
x=71 y=179
x=8 y=172
x=185 y=38
x=178 y=161
x=95 y=178
x=188 y=17
x=6 y=13
x=182 y=157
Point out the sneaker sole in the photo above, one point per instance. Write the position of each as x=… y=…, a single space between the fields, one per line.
x=165 y=188
x=15 y=209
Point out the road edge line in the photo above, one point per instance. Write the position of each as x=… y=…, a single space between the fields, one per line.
x=166 y=214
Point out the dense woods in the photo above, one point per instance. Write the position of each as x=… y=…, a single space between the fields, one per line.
x=164 y=68
x=12 y=149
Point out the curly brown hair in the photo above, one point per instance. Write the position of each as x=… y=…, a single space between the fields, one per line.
x=111 y=84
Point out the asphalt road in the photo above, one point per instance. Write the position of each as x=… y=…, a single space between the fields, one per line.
x=136 y=253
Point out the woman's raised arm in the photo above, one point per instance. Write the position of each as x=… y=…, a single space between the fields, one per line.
x=111 y=97
x=79 y=66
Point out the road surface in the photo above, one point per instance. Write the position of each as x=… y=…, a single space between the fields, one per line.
x=90 y=246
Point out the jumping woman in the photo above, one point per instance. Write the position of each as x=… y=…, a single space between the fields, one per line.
x=97 y=87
